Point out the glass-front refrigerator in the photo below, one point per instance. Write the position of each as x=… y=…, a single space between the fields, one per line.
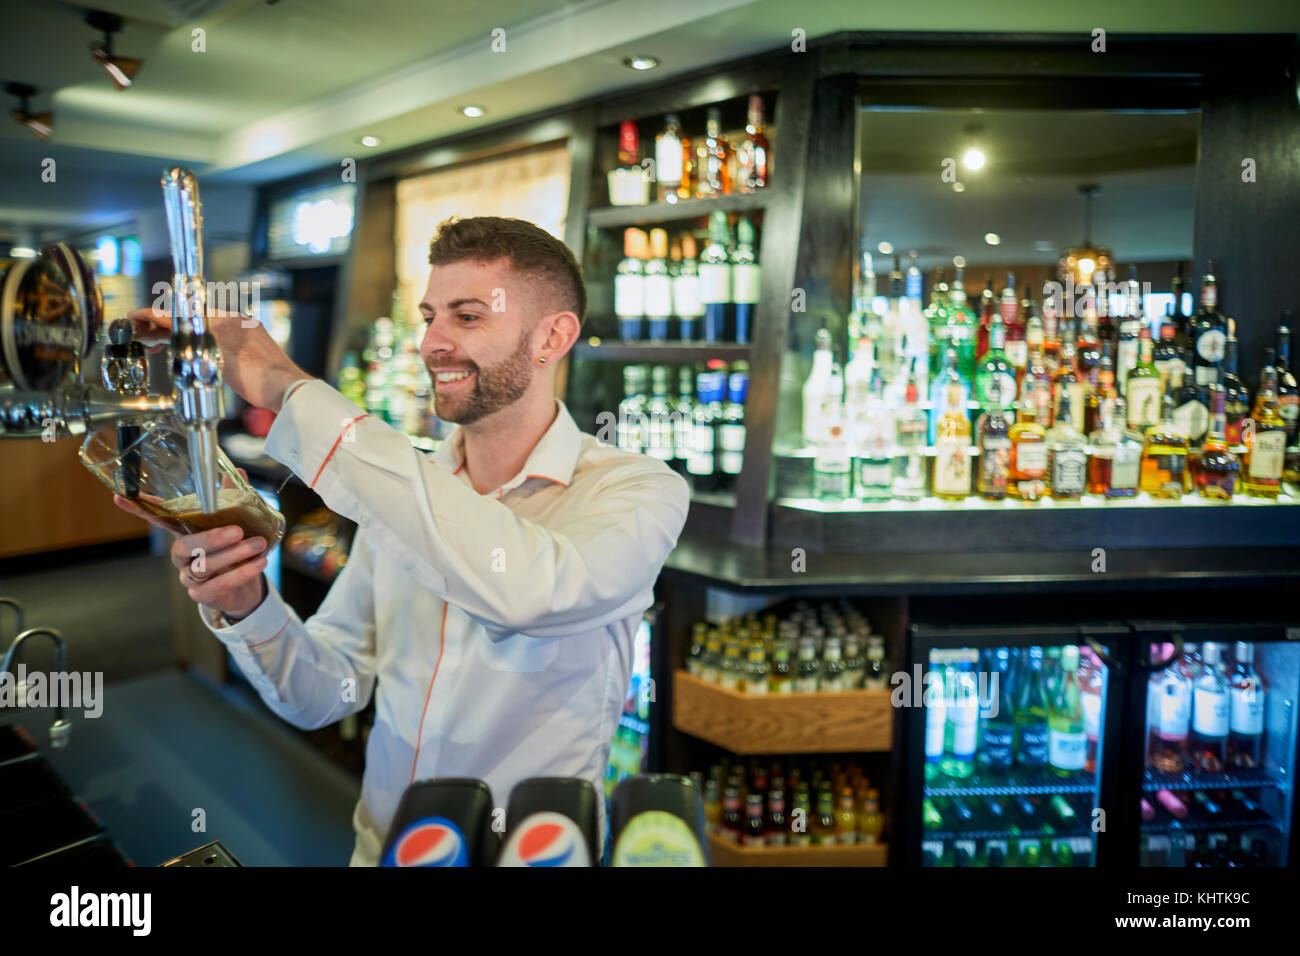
x=1010 y=735
x=1219 y=744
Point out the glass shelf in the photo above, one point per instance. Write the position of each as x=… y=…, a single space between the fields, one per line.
x=1022 y=783
x=1234 y=779
x=976 y=503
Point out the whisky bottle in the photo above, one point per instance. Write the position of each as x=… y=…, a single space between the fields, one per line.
x=1211 y=331
x=713 y=174
x=1217 y=468
x=1144 y=387
x=994 y=441
x=1167 y=356
x=753 y=156
x=1164 y=456
x=1067 y=460
x=1265 y=440
x=952 y=466
x=1288 y=395
x=1067 y=380
x=1192 y=408
x=1246 y=710
x=1236 y=397
x=1027 y=478
x=670 y=145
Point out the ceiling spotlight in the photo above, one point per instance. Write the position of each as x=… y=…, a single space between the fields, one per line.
x=120 y=69
x=42 y=124
x=992 y=238
x=959 y=261
x=473 y=112
x=959 y=187
x=640 y=62
x=973 y=158
x=885 y=248
x=370 y=141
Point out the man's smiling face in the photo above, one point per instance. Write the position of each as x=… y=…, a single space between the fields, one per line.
x=479 y=359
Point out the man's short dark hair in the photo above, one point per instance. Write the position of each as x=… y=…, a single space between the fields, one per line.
x=532 y=252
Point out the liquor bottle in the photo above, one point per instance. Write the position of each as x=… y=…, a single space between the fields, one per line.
x=1027 y=469
x=1192 y=408
x=1167 y=748
x=1217 y=468
x=715 y=277
x=629 y=285
x=1265 y=442
x=1236 y=397
x=1051 y=331
x=1107 y=323
x=1067 y=380
x=994 y=441
x=670 y=146
x=801 y=818
x=952 y=466
x=821 y=393
x=997 y=729
x=658 y=287
x=781 y=675
x=1067 y=456
x=858 y=374
x=731 y=818
x=659 y=416
x=914 y=349
x=701 y=466
x=1144 y=387
x=846 y=818
x=988 y=308
x=752 y=832
x=712 y=160
x=854 y=664
x=756 y=670
x=631 y=411
x=1288 y=394
x=911 y=427
x=1031 y=713
x=1210 y=330
x=832 y=467
x=1183 y=334
x=1130 y=327
x=823 y=828
x=939 y=392
x=731 y=427
x=745 y=279
x=1246 y=711
x=962 y=707
x=1164 y=456
x=995 y=378
x=1209 y=737
x=1167 y=354
x=889 y=341
x=873 y=459
x=683 y=418
x=686 y=291
x=732 y=669
x=753 y=155
x=808 y=672
x=1104 y=392
x=1087 y=350
x=1017 y=345
x=1104 y=441
x=863 y=322
x=936 y=314
x=913 y=282
x=962 y=321
x=1091 y=686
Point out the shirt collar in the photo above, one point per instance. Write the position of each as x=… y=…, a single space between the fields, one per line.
x=553 y=458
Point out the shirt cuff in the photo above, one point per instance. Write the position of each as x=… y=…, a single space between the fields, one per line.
x=288 y=392
x=268 y=620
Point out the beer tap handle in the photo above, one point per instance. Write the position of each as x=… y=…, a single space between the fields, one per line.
x=196 y=361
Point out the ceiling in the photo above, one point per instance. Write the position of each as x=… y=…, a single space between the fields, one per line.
x=1028 y=191
x=283 y=87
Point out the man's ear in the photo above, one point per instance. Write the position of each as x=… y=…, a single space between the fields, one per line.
x=560 y=331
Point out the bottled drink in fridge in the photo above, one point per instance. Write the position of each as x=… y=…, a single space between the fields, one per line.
x=1067 y=742
x=1031 y=712
x=1246 y=710
x=1167 y=746
x=963 y=714
x=1209 y=737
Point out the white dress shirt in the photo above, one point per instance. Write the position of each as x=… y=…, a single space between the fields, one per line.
x=494 y=630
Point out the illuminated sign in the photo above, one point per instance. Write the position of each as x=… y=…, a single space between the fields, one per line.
x=109 y=255
x=313 y=223
x=132 y=256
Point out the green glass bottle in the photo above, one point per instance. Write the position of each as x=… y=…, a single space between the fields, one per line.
x=1031 y=714
x=1067 y=743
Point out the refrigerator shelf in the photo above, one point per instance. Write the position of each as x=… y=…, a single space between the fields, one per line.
x=1155 y=780
x=1020 y=785
x=1071 y=834
x=1204 y=826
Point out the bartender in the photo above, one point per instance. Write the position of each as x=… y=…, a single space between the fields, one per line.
x=495 y=587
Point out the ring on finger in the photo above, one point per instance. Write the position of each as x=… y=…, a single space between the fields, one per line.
x=189 y=573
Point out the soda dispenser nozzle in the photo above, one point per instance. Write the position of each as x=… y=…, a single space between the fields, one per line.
x=196 y=361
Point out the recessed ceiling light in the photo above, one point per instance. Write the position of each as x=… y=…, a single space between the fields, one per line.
x=959 y=187
x=885 y=248
x=371 y=141
x=973 y=158
x=992 y=238
x=473 y=112
x=640 y=62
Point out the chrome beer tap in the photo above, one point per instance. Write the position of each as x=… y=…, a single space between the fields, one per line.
x=61 y=729
x=196 y=362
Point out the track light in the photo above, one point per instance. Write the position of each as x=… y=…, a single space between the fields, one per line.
x=120 y=69
x=42 y=124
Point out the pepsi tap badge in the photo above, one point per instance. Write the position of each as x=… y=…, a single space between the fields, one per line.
x=545 y=839
x=432 y=841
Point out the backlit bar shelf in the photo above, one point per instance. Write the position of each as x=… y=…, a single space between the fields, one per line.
x=976 y=503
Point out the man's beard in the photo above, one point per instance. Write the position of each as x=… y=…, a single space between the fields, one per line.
x=494 y=387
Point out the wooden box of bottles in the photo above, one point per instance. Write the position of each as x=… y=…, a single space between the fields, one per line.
x=820 y=722
x=725 y=853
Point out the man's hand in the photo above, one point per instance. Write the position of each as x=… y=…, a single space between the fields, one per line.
x=231 y=579
x=252 y=363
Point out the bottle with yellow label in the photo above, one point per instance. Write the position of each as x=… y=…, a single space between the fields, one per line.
x=1265 y=439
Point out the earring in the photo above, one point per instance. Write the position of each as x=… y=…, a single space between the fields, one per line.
x=541 y=359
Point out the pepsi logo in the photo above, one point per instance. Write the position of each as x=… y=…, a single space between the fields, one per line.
x=432 y=841
x=545 y=839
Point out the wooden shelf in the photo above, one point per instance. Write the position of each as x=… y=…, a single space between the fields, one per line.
x=724 y=853
x=616 y=350
x=821 y=722
x=613 y=217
